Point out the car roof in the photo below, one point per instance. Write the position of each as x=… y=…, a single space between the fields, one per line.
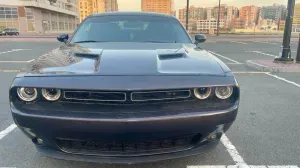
x=132 y=14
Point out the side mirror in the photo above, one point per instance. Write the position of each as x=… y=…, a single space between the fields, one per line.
x=200 y=38
x=63 y=38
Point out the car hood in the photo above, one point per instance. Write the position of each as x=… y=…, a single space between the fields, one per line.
x=128 y=59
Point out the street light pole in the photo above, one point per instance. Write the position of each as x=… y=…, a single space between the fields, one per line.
x=298 y=52
x=286 y=48
x=218 y=23
x=187 y=14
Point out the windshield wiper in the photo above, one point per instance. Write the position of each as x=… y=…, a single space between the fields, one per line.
x=89 y=41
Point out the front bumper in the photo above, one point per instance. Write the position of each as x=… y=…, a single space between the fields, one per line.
x=210 y=125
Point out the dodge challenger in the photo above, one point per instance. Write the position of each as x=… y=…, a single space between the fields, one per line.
x=127 y=87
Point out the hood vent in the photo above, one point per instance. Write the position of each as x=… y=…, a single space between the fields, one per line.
x=87 y=55
x=171 y=56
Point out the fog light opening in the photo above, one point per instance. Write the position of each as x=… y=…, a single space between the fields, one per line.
x=214 y=137
x=39 y=141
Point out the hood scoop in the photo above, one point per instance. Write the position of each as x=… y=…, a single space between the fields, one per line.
x=171 y=56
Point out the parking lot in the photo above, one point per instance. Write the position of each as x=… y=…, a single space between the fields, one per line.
x=265 y=133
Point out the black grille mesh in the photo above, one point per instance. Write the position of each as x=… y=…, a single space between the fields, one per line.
x=122 y=148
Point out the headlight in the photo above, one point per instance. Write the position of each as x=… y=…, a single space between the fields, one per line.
x=27 y=94
x=51 y=94
x=224 y=92
x=202 y=93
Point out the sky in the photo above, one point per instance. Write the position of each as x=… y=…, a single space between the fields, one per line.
x=135 y=5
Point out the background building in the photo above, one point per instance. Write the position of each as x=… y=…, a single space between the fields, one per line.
x=161 y=6
x=296 y=19
x=222 y=12
x=275 y=12
x=227 y=14
x=238 y=23
x=231 y=14
x=282 y=25
x=39 y=16
x=210 y=13
x=207 y=26
x=249 y=15
x=87 y=7
x=197 y=13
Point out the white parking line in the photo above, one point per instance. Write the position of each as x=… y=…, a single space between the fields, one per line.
x=250 y=166
x=249 y=72
x=13 y=50
x=262 y=53
x=224 y=57
x=16 y=61
x=238 y=42
x=7 y=130
x=265 y=42
x=7 y=70
x=237 y=158
x=234 y=63
x=285 y=80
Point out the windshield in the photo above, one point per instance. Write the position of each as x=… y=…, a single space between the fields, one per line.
x=131 y=29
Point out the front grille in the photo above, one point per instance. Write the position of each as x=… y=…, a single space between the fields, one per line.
x=147 y=147
x=126 y=97
x=94 y=96
x=160 y=95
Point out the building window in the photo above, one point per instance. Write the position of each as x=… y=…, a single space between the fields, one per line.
x=8 y=18
x=66 y=23
x=61 y=23
x=54 y=22
x=30 y=20
x=70 y=23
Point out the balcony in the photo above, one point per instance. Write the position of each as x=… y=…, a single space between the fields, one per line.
x=44 y=4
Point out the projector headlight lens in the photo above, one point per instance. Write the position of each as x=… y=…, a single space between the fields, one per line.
x=51 y=94
x=27 y=94
x=224 y=92
x=202 y=93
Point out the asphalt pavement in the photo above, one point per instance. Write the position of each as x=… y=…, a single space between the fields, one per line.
x=266 y=132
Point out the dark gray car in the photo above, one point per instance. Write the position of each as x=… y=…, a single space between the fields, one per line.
x=9 y=31
x=126 y=88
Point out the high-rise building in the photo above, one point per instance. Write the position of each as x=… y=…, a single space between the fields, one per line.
x=161 y=6
x=275 y=12
x=249 y=15
x=222 y=12
x=210 y=13
x=87 y=7
x=39 y=16
x=194 y=13
x=296 y=19
x=111 y=5
x=227 y=13
x=197 y=13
